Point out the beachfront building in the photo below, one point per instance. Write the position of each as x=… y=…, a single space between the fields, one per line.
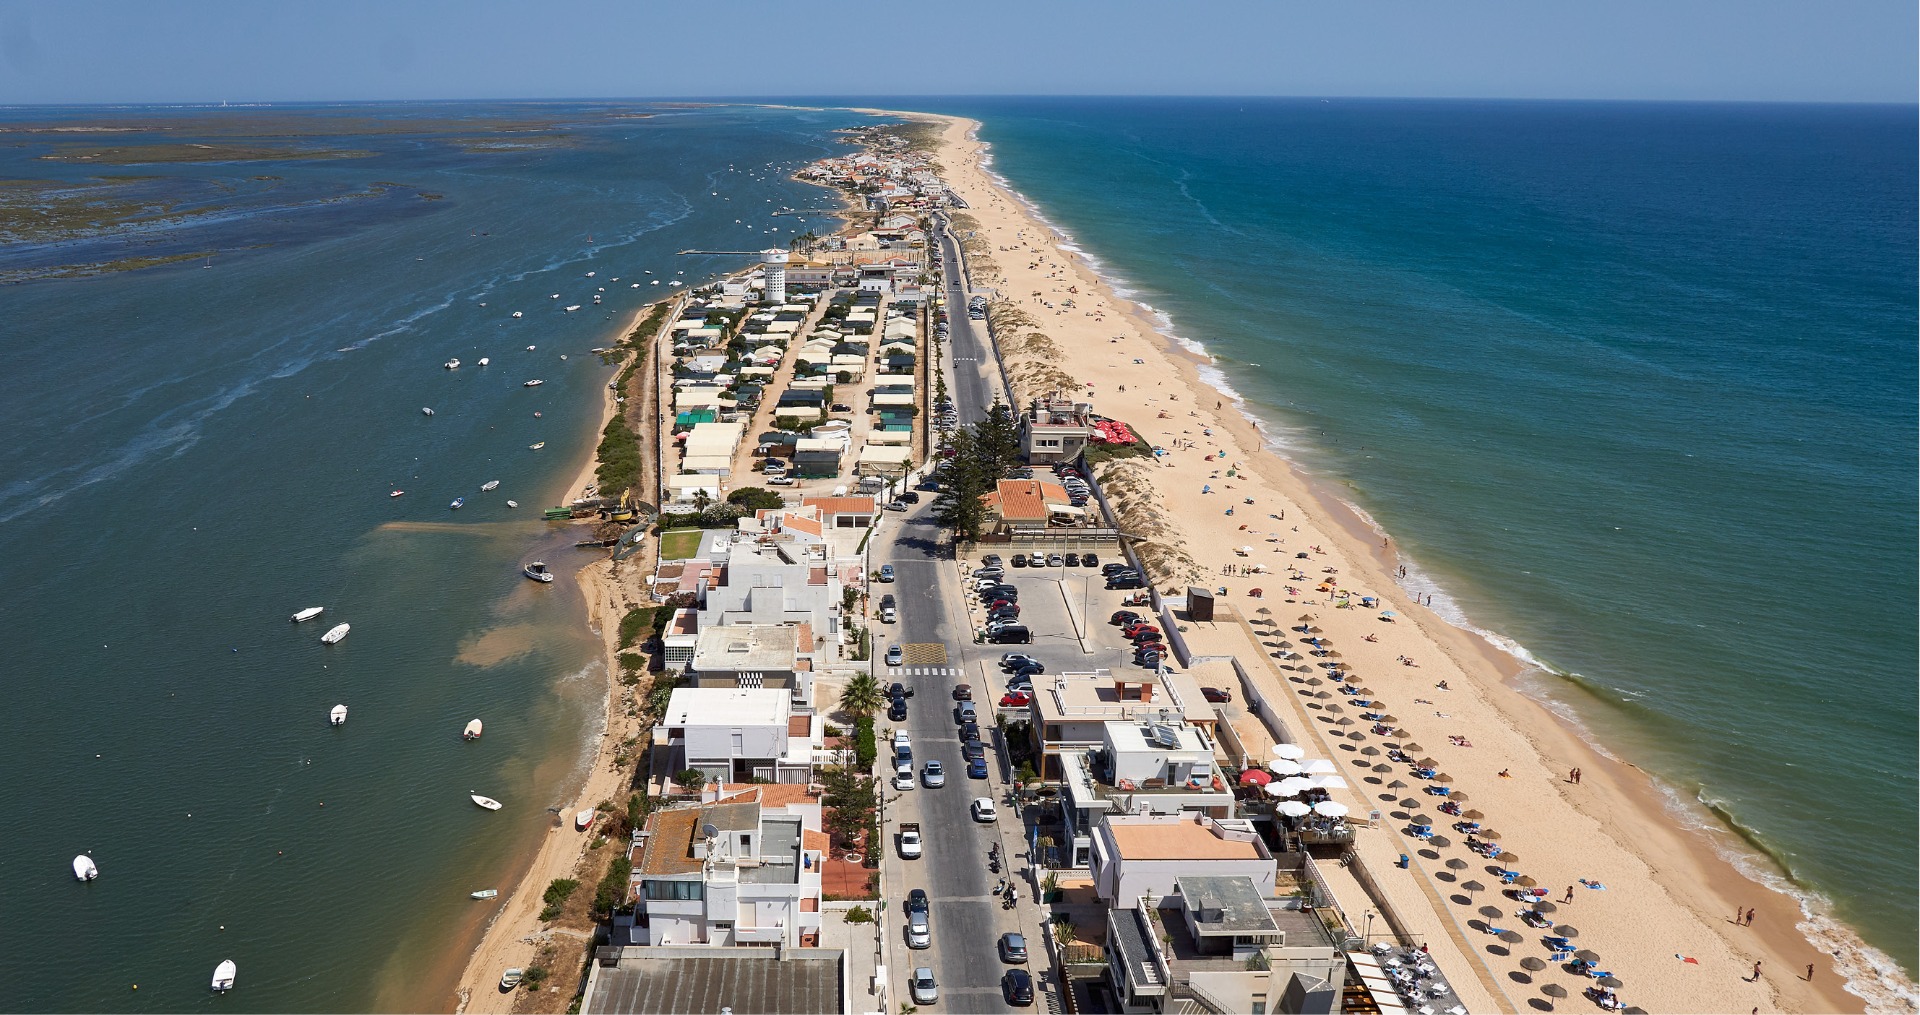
x=1071 y=710
x=1217 y=943
x=756 y=656
x=1055 y=430
x=733 y=734
x=1029 y=505
x=685 y=981
x=741 y=871
x=1137 y=855
x=1142 y=767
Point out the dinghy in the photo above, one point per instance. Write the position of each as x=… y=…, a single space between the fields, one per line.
x=472 y=732
x=223 y=975
x=84 y=869
x=309 y=613
x=338 y=716
x=485 y=801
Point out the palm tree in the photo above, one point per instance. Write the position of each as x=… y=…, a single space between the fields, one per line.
x=862 y=696
x=702 y=500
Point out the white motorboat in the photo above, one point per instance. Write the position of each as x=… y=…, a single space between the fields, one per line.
x=590 y=274
x=555 y=296
x=513 y=503
x=484 y=361
x=485 y=893
x=511 y=978
x=537 y=571
x=84 y=868
x=536 y=447
x=458 y=503
x=636 y=285
x=517 y=313
x=309 y=613
x=472 y=732
x=676 y=282
x=573 y=308
x=536 y=382
x=563 y=355
x=584 y=820
x=424 y=411
x=338 y=716
x=334 y=636
x=491 y=484
x=654 y=282
x=223 y=975
x=532 y=348
x=395 y=493
x=453 y=364
x=485 y=801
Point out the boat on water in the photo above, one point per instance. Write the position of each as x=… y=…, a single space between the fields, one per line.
x=484 y=361
x=537 y=571
x=513 y=503
x=536 y=447
x=84 y=868
x=654 y=282
x=458 y=503
x=676 y=282
x=573 y=308
x=338 y=716
x=309 y=613
x=485 y=801
x=511 y=978
x=453 y=364
x=563 y=355
x=584 y=820
x=223 y=975
x=517 y=313
x=636 y=285
x=536 y=382
x=425 y=411
x=395 y=493
x=485 y=893
x=335 y=636
x=532 y=347
x=590 y=274
x=472 y=732
x=491 y=484
x=555 y=296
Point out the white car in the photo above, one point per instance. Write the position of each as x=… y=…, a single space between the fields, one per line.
x=925 y=991
x=983 y=810
x=903 y=776
x=934 y=775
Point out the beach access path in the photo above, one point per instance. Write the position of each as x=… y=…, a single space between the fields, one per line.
x=1669 y=894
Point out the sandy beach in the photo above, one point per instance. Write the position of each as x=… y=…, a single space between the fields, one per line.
x=1664 y=921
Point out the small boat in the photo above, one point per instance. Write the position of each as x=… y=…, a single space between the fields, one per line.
x=84 y=869
x=223 y=975
x=584 y=820
x=396 y=493
x=536 y=382
x=563 y=355
x=458 y=503
x=335 y=636
x=536 y=447
x=453 y=364
x=472 y=732
x=676 y=282
x=537 y=571
x=573 y=308
x=532 y=347
x=485 y=893
x=338 y=716
x=483 y=361
x=491 y=484
x=590 y=274
x=424 y=411
x=636 y=285
x=513 y=503
x=555 y=296
x=654 y=282
x=309 y=613
x=517 y=313
x=511 y=978
x=485 y=801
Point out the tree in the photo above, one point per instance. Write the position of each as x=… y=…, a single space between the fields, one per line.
x=692 y=779
x=862 y=696
x=702 y=500
x=755 y=498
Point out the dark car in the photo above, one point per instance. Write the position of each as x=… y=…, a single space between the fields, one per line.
x=973 y=749
x=897 y=711
x=969 y=731
x=1122 y=618
x=1018 y=986
x=899 y=690
x=963 y=692
x=1012 y=635
x=1216 y=694
x=910 y=497
x=1010 y=611
x=1030 y=668
x=1150 y=659
x=1073 y=560
x=977 y=768
x=1125 y=584
x=841 y=407
x=1090 y=559
x=1019 y=560
x=1013 y=948
x=1111 y=569
x=1013 y=659
x=917 y=901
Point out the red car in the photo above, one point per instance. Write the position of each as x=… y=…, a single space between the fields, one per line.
x=1138 y=629
x=1015 y=699
x=1216 y=694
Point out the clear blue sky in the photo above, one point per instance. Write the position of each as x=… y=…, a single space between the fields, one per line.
x=56 y=51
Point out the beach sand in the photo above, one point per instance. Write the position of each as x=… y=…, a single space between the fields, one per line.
x=515 y=932
x=1669 y=896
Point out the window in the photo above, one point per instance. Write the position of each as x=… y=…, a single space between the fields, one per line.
x=674 y=891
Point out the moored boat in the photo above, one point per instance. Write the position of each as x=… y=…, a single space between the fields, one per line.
x=536 y=447
x=584 y=820
x=573 y=308
x=537 y=571
x=513 y=503
x=485 y=893
x=491 y=484
x=458 y=503
x=84 y=868
x=517 y=313
x=309 y=613
x=472 y=732
x=536 y=382
x=334 y=636
x=338 y=716
x=426 y=410
x=485 y=801
x=511 y=978
x=395 y=493
x=224 y=974
x=453 y=364
x=484 y=361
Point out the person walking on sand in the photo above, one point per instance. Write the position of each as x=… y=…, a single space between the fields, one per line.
x=1755 y=978
x=1748 y=922
x=1569 y=896
x=1809 y=972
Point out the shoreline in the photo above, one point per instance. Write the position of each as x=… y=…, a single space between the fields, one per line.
x=1628 y=805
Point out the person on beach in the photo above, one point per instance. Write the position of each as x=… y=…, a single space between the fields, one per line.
x=1755 y=978
x=1569 y=897
x=1748 y=922
x=1809 y=972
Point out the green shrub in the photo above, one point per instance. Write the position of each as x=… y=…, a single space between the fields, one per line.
x=865 y=748
x=612 y=893
x=634 y=625
x=691 y=778
x=632 y=661
x=558 y=892
x=859 y=914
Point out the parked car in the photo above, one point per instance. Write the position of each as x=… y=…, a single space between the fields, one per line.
x=1016 y=699
x=1013 y=948
x=1125 y=584
x=1015 y=659
x=1122 y=618
x=924 y=990
x=1012 y=635
x=894 y=655
x=973 y=750
x=780 y=481
x=963 y=692
x=1111 y=569
x=988 y=572
x=903 y=777
x=910 y=497
x=1020 y=685
x=886 y=572
x=1018 y=986
x=841 y=407
x=897 y=710
x=1019 y=560
x=966 y=711
x=983 y=809
x=919 y=931
x=917 y=901
x=1055 y=560
x=899 y=690
x=1216 y=694
x=933 y=775
x=1073 y=560
x=991 y=560
x=1090 y=559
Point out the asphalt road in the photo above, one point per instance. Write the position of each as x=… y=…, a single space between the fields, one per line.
x=975 y=382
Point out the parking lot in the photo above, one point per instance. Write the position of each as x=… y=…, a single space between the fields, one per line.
x=1066 y=609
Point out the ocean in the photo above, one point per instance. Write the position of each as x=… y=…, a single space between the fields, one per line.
x=1631 y=386
x=196 y=452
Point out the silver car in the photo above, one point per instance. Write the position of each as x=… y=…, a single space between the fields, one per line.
x=925 y=991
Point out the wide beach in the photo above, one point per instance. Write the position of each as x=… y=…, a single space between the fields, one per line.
x=1611 y=828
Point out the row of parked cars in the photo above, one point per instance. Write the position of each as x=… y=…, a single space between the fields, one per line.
x=1002 y=602
x=1056 y=560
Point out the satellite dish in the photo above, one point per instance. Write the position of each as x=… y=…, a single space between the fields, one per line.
x=709 y=831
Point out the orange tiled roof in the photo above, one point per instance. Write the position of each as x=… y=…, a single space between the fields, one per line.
x=840 y=505
x=670 y=844
x=808 y=525
x=803 y=636
x=799 y=725
x=820 y=841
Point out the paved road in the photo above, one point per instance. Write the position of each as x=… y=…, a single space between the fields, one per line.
x=975 y=381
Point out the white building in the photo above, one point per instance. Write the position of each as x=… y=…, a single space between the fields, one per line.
x=1137 y=855
x=734 y=873
x=735 y=734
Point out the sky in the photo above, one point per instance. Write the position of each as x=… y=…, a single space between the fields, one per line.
x=102 y=51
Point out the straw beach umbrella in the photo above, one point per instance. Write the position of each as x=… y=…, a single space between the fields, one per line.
x=1490 y=835
x=1426 y=762
x=1471 y=815
x=1508 y=857
x=1440 y=841
x=1587 y=955
x=1475 y=886
x=1415 y=749
x=1443 y=778
x=1525 y=881
x=1534 y=963
x=1554 y=990
x=1565 y=931
x=1457 y=864
x=1544 y=906
x=1611 y=981
x=1512 y=937
x=1457 y=797
x=1371 y=752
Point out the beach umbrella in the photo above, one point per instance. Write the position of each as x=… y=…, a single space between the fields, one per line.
x=1544 y=906
x=1371 y=752
x=1611 y=981
x=1457 y=796
x=1283 y=643
x=1506 y=857
x=1335 y=655
x=1443 y=778
x=1525 y=881
x=1383 y=768
x=1421 y=819
x=1439 y=840
x=1426 y=763
x=1409 y=803
x=1565 y=931
x=1294 y=808
x=1288 y=751
x=1475 y=886
x=1263 y=610
x=1490 y=834
x=1472 y=815
x=1336 y=709
x=1343 y=720
x=1396 y=784
x=1329 y=808
x=1369 y=690
x=1356 y=735
x=1490 y=912
x=1512 y=936
x=1633 y=1010
x=1315 y=630
x=1314 y=681
x=1323 y=694
x=1293 y=786
x=1457 y=864
x=1554 y=990
x=1389 y=718
x=1587 y=955
x=1283 y=767
x=1304 y=617
x=1254 y=777
x=1415 y=749
x=1273 y=789
x=1532 y=962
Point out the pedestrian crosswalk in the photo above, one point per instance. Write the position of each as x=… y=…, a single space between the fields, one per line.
x=923 y=671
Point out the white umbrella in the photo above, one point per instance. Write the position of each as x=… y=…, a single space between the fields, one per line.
x=1291 y=752
x=1327 y=782
x=1282 y=767
x=1294 y=809
x=1330 y=809
x=1273 y=789
x=1317 y=766
x=1292 y=787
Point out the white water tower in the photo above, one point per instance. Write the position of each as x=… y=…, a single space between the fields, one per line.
x=774 y=263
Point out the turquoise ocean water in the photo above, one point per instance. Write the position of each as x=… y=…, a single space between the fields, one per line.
x=1633 y=385
x=195 y=453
